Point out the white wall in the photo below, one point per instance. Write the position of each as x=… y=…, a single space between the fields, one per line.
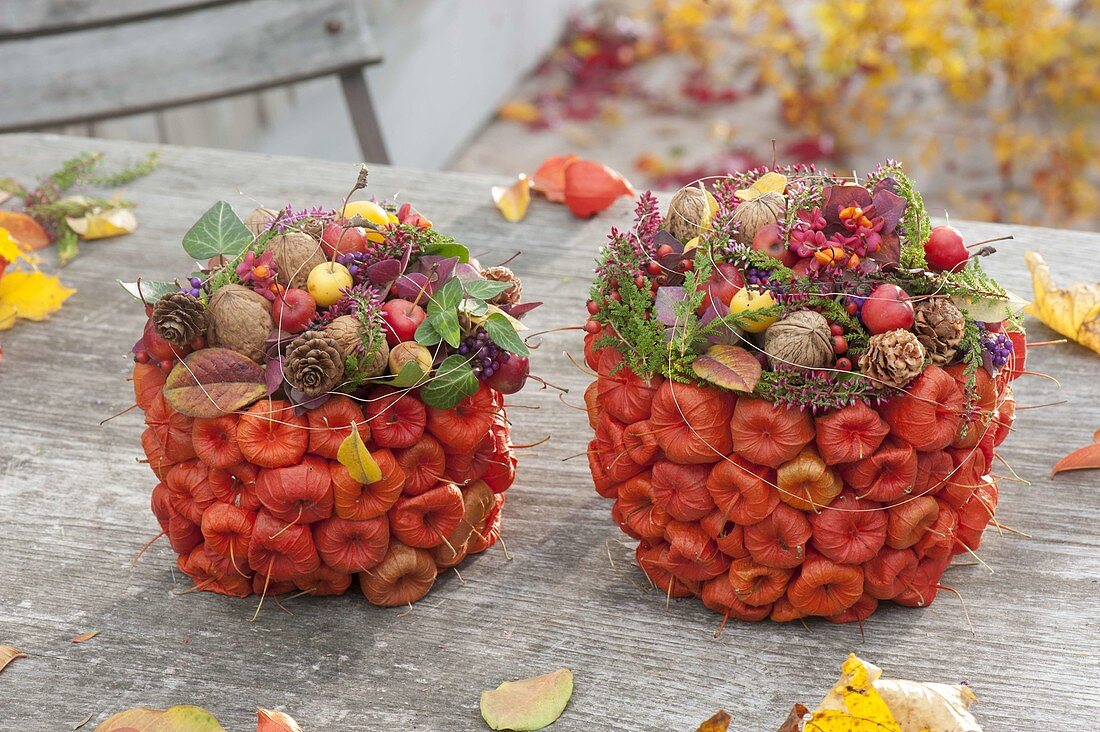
x=448 y=65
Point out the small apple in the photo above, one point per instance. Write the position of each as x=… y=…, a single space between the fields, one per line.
x=370 y=211
x=293 y=310
x=327 y=281
x=410 y=352
x=510 y=376
x=888 y=308
x=159 y=349
x=769 y=240
x=339 y=237
x=725 y=282
x=400 y=319
x=748 y=300
x=945 y=251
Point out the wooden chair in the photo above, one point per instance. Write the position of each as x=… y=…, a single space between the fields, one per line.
x=71 y=61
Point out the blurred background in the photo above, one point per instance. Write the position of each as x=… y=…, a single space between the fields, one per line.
x=993 y=104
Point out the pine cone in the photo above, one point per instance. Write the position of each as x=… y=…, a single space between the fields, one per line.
x=939 y=325
x=893 y=358
x=179 y=318
x=314 y=363
x=502 y=274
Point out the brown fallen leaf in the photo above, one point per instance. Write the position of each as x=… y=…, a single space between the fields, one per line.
x=794 y=719
x=85 y=636
x=718 y=722
x=1083 y=458
x=9 y=654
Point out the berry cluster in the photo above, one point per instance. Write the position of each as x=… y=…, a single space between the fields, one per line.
x=996 y=349
x=486 y=356
x=193 y=287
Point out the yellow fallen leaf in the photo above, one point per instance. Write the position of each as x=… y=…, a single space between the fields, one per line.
x=85 y=636
x=512 y=200
x=519 y=110
x=528 y=704
x=1073 y=311
x=10 y=251
x=30 y=295
x=718 y=722
x=103 y=224
x=919 y=706
x=355 y=456
x=853 y=704
x=767 y=183
x=9 y=654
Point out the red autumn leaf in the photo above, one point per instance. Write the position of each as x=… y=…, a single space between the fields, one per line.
x=1083 y=458
x=24 y=229
x=730 y=366
x=591 y=187
x=549 y=179
x=269 y=720
x=85 y=636
x=214 y=381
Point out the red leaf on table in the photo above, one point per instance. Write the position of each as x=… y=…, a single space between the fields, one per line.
x=24 y=229
x=730 y=366
x=1083 y=458
x=214 y=381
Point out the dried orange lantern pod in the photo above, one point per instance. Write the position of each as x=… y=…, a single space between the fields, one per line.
x=758 y=472
x=311 y=444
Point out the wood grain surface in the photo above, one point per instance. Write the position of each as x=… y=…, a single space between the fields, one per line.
x=74 y=507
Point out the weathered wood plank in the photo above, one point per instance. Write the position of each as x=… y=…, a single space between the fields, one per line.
x=55 y=16
x=207 y=53
x=75 y=508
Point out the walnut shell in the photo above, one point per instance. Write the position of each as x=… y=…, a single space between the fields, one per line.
x=259 y=220
x=688 y=213
x=802 y=339
x=239 y=318
x=753 y=215
x=295 y=254
x=345 y=330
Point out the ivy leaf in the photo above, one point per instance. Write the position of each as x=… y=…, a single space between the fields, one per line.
x=454 y=380
x=502 y=332
x=486 y=289
x=218 y=231
x=730 y=366
x=214 y=381
x=473 y=307
x=448 y=327
x=427 y=333
x=446 y=297
x=410 y=375
x=150 y=290
x=354 y=455
x=529 y=704
x=448 y=248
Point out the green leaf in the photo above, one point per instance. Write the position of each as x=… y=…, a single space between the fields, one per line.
x=447 y=297
x=473 y=307
x=427 y=333
x=448 y=327
x=448 y=248
x=486 y=289
x=454 y=380
x=67 y=247
x=410 y=375
x=151 y=290
x=218 y=231
x=504 y=335
x=530 y=704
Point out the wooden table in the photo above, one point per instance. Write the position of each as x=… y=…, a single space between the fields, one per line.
x=75 y=508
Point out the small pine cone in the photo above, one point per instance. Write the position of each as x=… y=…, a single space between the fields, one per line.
x=179 y=318
x=893 y=358
x=939 y=325
x=314 y=363
x=502 y=274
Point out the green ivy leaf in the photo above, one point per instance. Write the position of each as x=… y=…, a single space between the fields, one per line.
x=447 y=297
x=448 y=327
x=504 y=335
x=473 y=307
x=151 y=290
x=486 y=289
x=410 y=375
x=218 y=231
x=454 y=380
x=448 y=248
x=427 y=333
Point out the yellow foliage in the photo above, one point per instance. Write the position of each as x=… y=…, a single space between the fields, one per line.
x=1073 y=311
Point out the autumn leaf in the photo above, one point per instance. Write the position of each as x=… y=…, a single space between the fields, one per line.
x=24 y=229
x=271 y=721
x=85 y=636
x=354 y=455
x=529 y=704
x=182 y=718
x=30 y=295
x=11 y=250
x=214 y=381
x=1073 y=311
x=730 y=366
x=793 y=722
x=853 y=704
x=9 y=654
x=718 y=722
x=520 y=110
x=512 y=200
x=767 y=183
x=1083 y=458
x=103 y=224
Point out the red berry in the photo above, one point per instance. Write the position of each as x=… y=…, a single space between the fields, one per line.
x=663 y=251
x=653 y=267
x=840 y=344
x=639 y=281
x=616 y=296
x=851 y=308
x=844 y=364
x=142 y=357
x=593 y=308
x=836 y=329
x=591 y=327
